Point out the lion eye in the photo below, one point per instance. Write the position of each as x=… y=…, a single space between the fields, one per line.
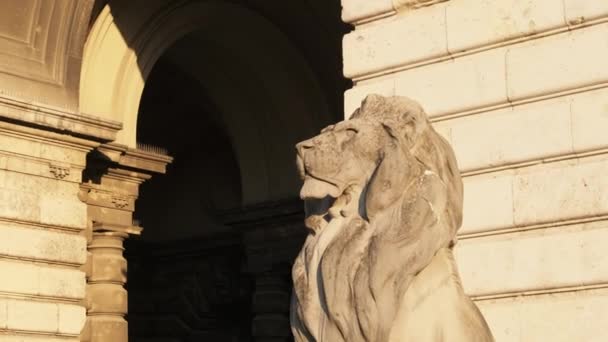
x=351 y=131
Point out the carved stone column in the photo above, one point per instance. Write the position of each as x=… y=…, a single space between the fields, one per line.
x=110 y=189
x=271 y=307
x=272 y=235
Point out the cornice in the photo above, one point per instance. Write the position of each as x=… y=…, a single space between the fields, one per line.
x=138 y=159
x=57 y=120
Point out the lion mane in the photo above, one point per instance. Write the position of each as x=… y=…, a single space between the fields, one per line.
x=383 y=198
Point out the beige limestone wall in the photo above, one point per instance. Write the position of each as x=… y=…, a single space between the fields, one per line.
x=520 y=89
x=42 y=247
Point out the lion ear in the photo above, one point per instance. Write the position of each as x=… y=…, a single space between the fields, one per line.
x=388 y=182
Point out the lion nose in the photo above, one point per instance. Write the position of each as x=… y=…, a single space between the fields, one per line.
x=303 y=146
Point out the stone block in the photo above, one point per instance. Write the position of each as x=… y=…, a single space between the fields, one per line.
x=444 y=129
x=488 y=202
x=559 y=317
x=458 y=85
x=62 y=282
x=107 y=328
x=19 y=205
x=40 y=244
x=534 y=260
x=63 y=154
x=563 y=190
x=114 y=298
x=24 y=278
x=108 y=267
x=64 y=211
x=356 y=10
x=19 y=277
x=589 y=120
x=474 y=23
x=47 y=184
x=31 y=316
x=557 y=63
x=42 y=150
x=405 y=39
x=354 y=96
x=511 y=135
x=580 y=11
x=71 y=319
x=19 y=146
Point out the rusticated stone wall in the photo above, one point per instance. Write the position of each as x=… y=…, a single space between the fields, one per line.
x=520 y=90
x=42 y=245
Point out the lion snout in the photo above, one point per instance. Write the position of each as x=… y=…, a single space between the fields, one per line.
x=303 y=146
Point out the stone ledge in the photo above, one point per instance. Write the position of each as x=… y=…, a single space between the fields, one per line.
x=548 y=317
x=57 y=119
x=524 y=262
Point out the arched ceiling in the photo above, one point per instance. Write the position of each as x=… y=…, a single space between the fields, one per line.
x=271 y=93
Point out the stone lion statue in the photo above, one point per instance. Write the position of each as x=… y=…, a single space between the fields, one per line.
x=383 y=202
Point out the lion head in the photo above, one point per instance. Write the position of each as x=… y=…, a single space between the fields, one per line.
x=385 y=143
x=382 y=195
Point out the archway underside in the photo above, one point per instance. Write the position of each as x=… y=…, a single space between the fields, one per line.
x=227 y=90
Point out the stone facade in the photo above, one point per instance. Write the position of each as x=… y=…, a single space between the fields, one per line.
x=519 y=90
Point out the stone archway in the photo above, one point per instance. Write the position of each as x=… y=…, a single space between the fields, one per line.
x=266 y=92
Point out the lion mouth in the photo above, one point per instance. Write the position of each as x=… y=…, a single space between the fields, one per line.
x=316 y=188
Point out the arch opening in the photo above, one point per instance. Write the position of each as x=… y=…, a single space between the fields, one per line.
x=227 y=90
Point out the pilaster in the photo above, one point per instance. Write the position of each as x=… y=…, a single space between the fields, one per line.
x=110 y=188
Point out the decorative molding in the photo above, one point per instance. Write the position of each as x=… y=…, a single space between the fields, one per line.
x=120 y=202
x=39 y=51
x=41 y=44
x=56 y=119
x=60 y=172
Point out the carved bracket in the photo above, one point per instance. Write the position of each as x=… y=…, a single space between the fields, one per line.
x=60 y=172
x=120 y=202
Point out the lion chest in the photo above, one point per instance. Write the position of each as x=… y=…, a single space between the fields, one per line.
x=325 y=270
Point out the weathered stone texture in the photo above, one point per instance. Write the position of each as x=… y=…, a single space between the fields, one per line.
x=383 y=199
x=562 y=256
x=558 y=63
x=380 y=47
x=520 y=93
x=563 y=317
x=23 y=241
x=40 y=219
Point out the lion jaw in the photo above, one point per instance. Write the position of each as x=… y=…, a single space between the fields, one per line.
x=319 y=212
